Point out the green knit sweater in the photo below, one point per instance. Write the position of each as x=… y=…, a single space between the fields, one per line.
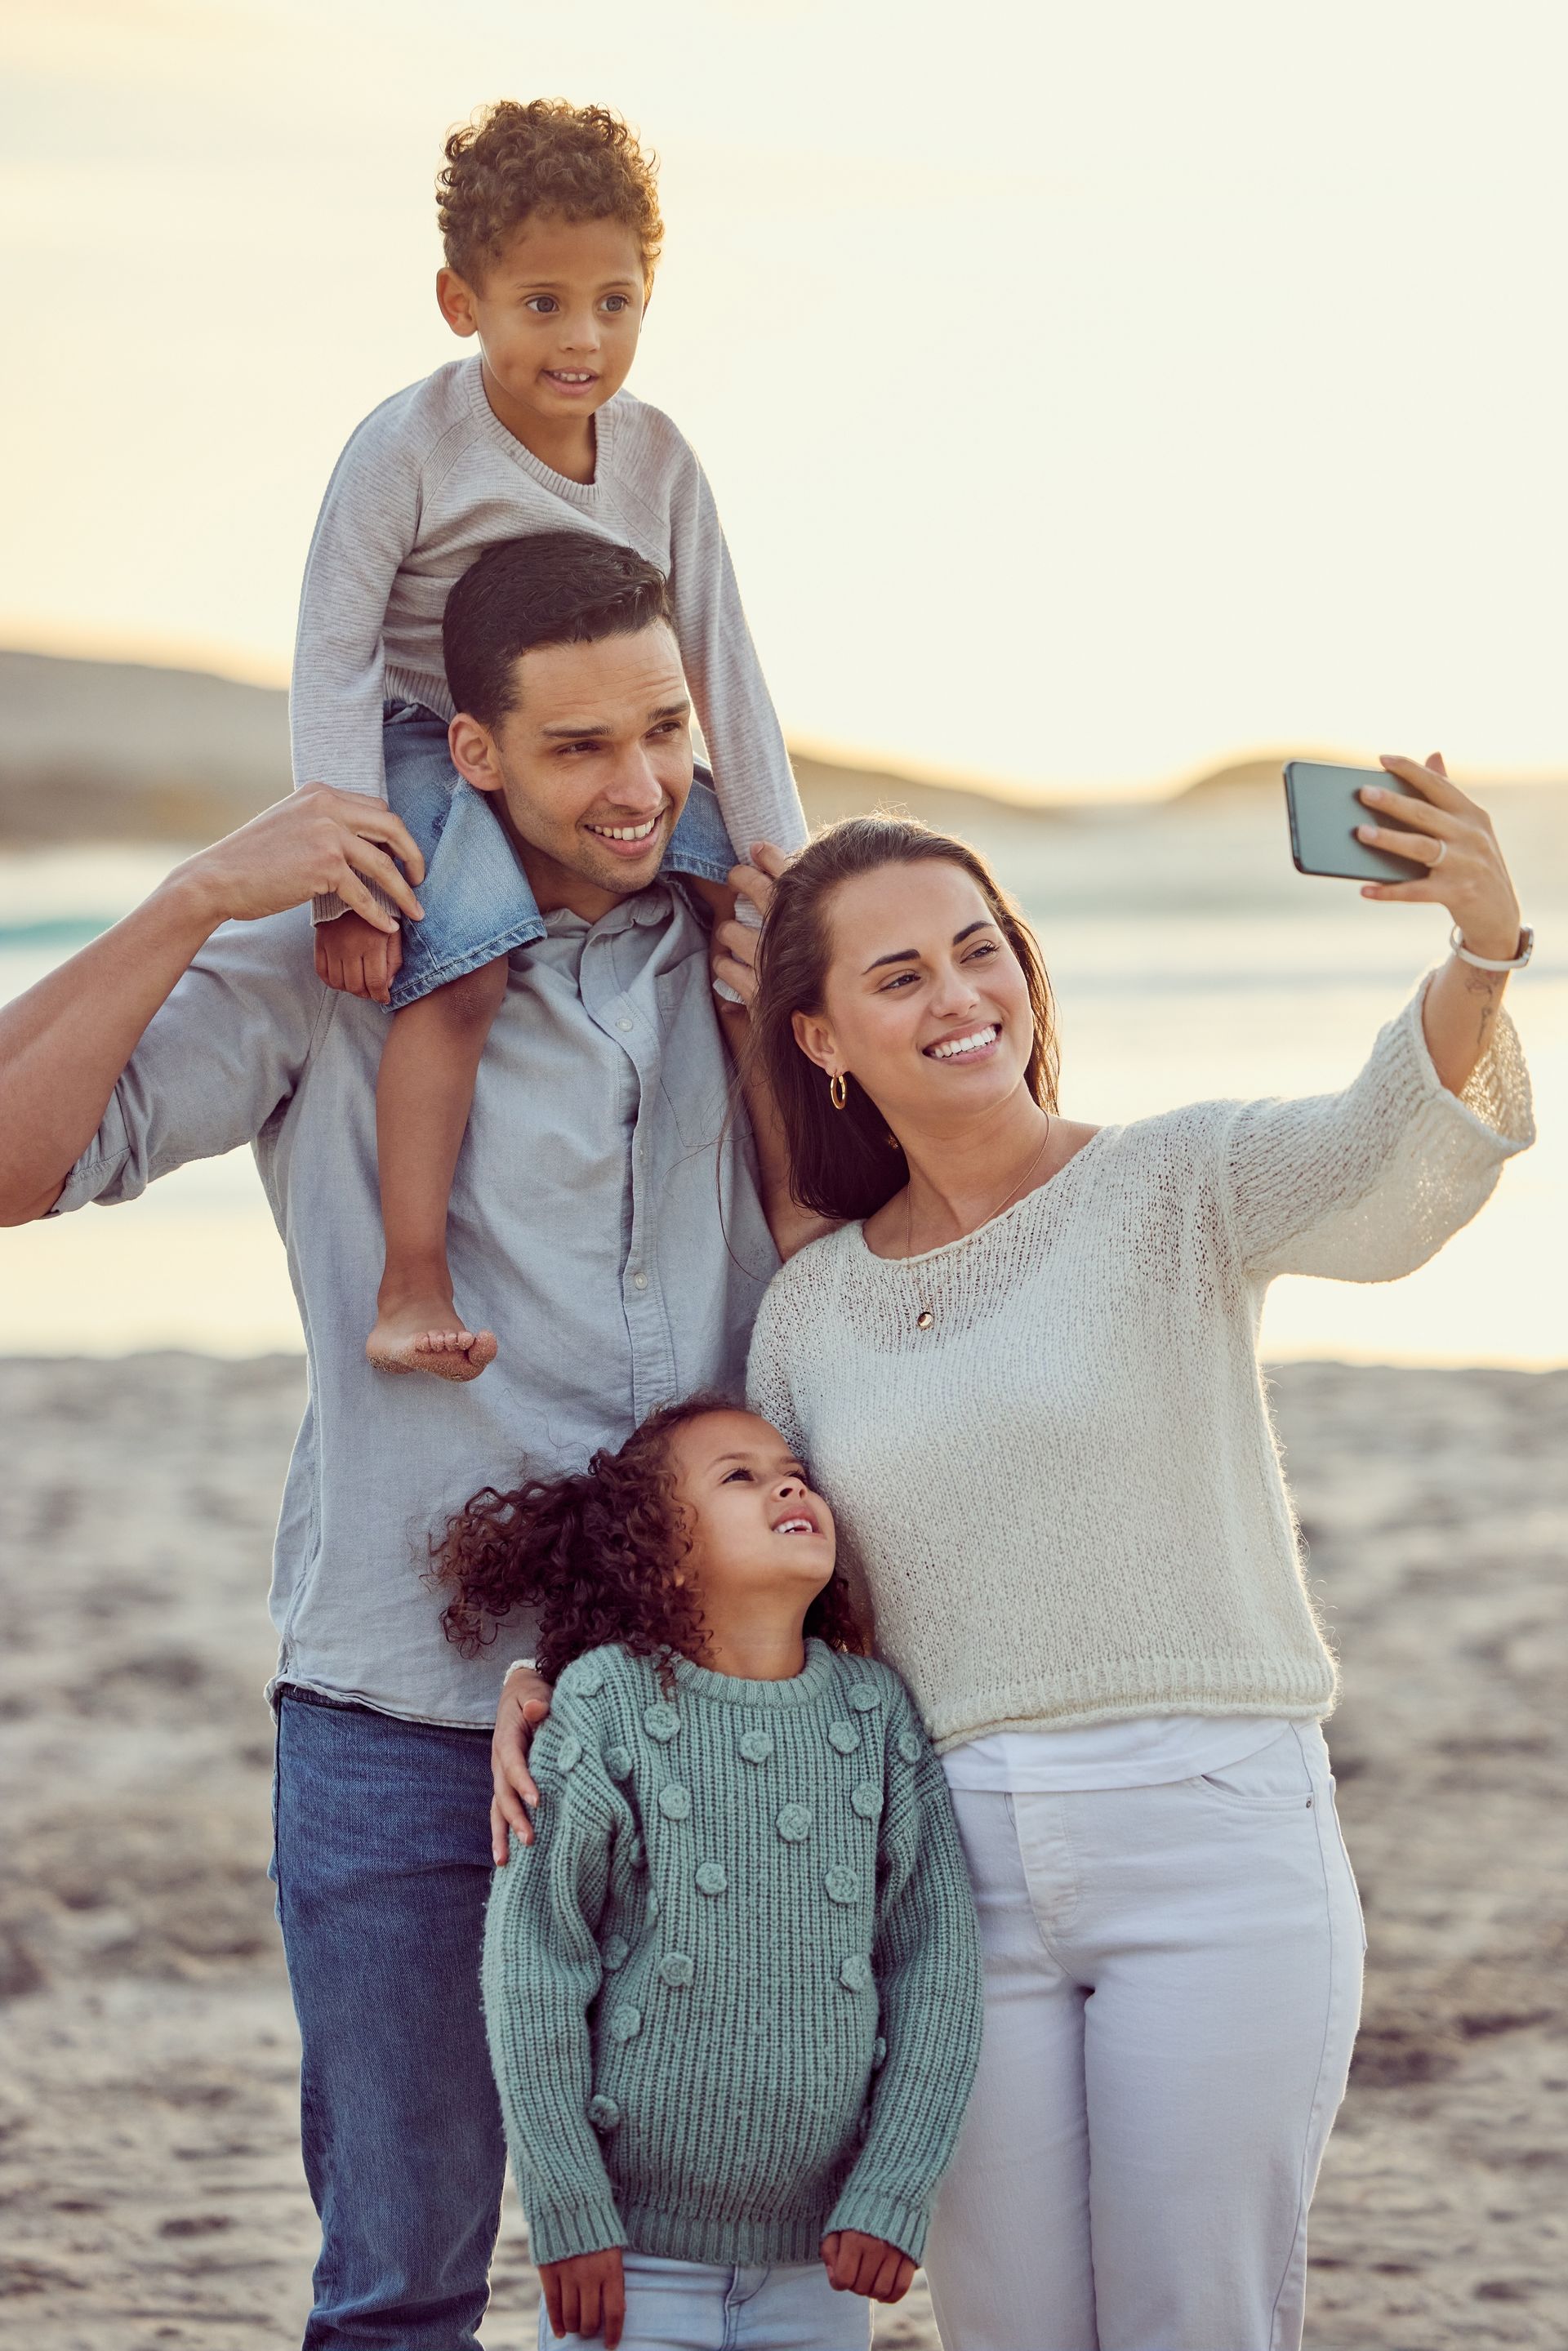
x=733 y=1990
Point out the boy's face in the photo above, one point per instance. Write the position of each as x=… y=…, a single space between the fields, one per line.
x=557 y=316
x=592 y=766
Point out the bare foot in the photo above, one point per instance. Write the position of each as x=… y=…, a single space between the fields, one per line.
x=427 y=1337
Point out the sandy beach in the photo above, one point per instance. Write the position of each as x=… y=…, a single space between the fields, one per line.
x=149 y=2164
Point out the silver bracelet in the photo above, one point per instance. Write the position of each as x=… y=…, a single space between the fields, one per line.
x=1484 y=962
x=1516 y=962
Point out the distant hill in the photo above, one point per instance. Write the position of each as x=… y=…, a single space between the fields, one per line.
x=123 y=751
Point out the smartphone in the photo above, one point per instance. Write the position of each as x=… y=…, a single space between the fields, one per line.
x=1324 y=813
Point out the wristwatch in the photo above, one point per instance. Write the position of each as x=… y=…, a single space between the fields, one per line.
x=1516 y=962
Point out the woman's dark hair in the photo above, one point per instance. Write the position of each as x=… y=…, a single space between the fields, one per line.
x=553 y=588
x=596 y=1556
x=844 y=1162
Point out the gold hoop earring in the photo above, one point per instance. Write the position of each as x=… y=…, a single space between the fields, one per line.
x=838 y=1092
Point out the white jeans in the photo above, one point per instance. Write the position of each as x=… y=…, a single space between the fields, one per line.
x=1173 y=1983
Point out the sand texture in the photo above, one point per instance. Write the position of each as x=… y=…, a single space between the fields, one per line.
x=149 y=2166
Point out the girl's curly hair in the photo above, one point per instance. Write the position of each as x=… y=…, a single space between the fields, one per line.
x=576 y=162
x=595 y=1555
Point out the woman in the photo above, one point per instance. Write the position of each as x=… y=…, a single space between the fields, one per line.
x=1020 y=1359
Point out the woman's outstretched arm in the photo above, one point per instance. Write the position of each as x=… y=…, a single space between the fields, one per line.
x=1467 y=876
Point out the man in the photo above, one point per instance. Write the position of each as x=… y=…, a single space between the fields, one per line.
x=604 y=1198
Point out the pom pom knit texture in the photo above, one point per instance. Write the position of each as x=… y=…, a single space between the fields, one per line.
x=1066 y=1490
x=725 y=2024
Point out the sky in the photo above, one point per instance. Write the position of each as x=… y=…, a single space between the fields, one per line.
x=1090 y=394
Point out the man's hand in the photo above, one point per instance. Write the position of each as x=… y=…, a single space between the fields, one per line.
x=523 y=1705
x=64 y=1044
x=869 y=2265
x=353 y=955
x=586 y=2293
x=734 y=952
x=315 y=842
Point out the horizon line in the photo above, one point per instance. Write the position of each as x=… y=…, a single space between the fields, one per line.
x=242 y=665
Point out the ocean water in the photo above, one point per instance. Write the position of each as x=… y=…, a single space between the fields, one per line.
x=1190 y=960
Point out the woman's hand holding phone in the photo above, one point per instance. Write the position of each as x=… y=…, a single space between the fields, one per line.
x=1443 y=828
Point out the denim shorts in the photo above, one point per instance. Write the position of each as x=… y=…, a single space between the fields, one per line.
x=476 y=900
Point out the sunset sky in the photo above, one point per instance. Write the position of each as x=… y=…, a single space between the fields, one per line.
x=1090 y=393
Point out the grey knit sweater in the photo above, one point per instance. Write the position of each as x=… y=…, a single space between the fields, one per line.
x=429 y=480
x=733 y=1990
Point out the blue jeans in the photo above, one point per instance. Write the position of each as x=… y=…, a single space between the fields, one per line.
x=476 y=900
x=694 y=2306
x=382 y=1856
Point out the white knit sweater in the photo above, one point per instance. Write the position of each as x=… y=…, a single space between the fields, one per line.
x=1065 y=1496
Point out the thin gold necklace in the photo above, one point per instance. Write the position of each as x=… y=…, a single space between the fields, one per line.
x=925 y=1319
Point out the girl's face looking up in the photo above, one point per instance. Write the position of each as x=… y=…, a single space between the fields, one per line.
x=757 y=1532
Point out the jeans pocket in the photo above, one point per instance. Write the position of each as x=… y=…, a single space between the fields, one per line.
x=1274 y=1777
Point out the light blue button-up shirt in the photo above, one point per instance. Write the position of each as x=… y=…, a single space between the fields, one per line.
x=604 y=1221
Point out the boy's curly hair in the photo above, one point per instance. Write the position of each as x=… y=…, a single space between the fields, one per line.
x=578 y=163
x=596 y=1556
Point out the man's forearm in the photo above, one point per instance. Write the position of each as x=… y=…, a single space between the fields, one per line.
x=64 y=1043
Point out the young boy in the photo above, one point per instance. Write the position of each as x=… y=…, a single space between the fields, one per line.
x=551 y=221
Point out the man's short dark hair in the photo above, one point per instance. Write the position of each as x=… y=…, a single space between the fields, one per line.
x=556 y=588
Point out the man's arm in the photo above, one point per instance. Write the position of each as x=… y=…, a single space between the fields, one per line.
x=65 y=1044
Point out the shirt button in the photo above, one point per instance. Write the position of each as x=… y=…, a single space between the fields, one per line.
x=623 y=1024
x=639 y=1280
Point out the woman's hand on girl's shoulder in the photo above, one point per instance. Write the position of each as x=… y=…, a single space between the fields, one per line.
x=857 y=2264
x=523 y=1705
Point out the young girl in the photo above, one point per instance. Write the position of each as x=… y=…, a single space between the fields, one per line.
x=732 y=1985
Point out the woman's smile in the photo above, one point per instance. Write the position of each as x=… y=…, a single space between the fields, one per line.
x=971 y=1045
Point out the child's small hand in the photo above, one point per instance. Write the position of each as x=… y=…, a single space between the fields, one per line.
x=353 y=955
x=870 y=2266
x=590 y=2292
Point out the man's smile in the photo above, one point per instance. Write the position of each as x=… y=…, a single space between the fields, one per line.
x=626 y=840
